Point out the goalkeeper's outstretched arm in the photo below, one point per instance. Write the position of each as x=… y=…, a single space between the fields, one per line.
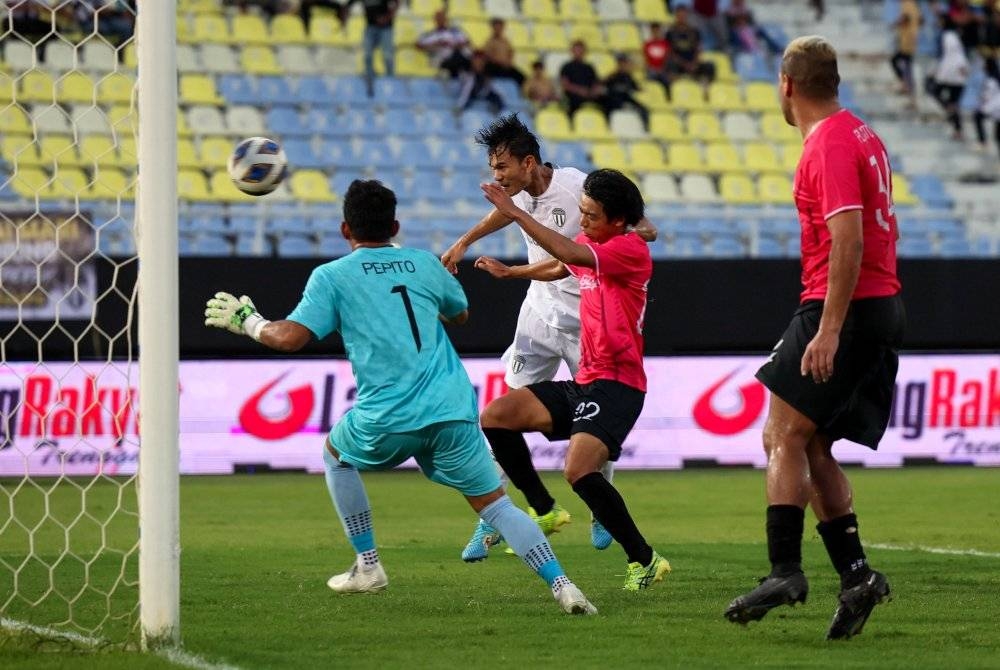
x=239 y=316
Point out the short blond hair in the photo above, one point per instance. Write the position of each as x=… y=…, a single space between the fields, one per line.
x=811 y=63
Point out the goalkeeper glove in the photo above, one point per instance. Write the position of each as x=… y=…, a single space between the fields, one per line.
x=237 y=315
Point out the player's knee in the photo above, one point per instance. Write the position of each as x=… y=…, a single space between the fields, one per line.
x=572 y=474
x=501 y=413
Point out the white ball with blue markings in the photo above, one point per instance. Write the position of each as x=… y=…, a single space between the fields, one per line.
x=258 y=165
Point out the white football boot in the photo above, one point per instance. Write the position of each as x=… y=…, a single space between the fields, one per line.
x=360 y=579
x=572 y=600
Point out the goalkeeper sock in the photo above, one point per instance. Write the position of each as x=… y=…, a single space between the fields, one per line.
x=349 y=497
x=525 y=538
x=511 y=452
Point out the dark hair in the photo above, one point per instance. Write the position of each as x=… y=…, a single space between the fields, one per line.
x=509 y=133
x=369 y=210
x=618 y=195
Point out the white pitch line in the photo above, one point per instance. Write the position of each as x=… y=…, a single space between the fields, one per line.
x=935 y=550
x=173 y=654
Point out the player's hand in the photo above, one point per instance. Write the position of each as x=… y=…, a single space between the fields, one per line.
x=224 y=310
x=498 y=198
x=817 y=361
x=493 y=266
x=452 y=256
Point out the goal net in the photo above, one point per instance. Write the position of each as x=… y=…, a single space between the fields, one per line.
x=69 y=374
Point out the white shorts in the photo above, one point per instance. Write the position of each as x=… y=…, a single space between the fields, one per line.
x=538 y=350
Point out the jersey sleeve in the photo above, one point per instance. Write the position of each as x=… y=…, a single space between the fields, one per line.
x=451 y=298
x=838 y=180
x=317 y=308
x=617 y=256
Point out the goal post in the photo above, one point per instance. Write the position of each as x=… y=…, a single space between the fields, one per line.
x=156 y=236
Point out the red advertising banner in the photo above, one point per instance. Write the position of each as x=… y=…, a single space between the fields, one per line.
x=82 y=418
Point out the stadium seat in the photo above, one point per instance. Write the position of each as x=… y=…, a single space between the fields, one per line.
x=275 y=90
x=208 y=120
x=51 y=118
x=568 y=154
x=426 y=8
x=296 y=59
x=58 y=151
x=19 y=56
x=761 y=96
x=111 y=184
x=576 y=11
x=901 y=192
x=614 y=10
x=76 y=87
x=187 y=156
x=774 y=127
x=414 y=153
x=724 y=73
x=791 y=152
x=68 y=183
x=351 y=91
x=722 y=157
x=539 y=10
x=519 y=35
x=29 y=181
x=929 y=189
x=589 y=33
x=704 y=126
x=591 y=124
x=304 y=153
x=623 y=36
x=911 y=246
x=239 y=89
x=698 y=188
x=761 y=157
x=738 y=189
x=311 y=186
x=249 y=29
x=19 y=151
x=752 y=67
x=192 y=185
x=686 y=94
x=740 y=126
x=60 y=56
x=603 y=62
x=464 y=10
x=609 y=155
x=13 y=120
x=646 y=156
x=89 y=120
x=504 y=9
x=259 y=59
x=245 y=120
x=547 y=36
x=659 y=187
x=214 y=152
x=327 y=31
x=288 y=29
x=286 y=122
x=36 y=86
x=627 y=124
x=222 y=188
x=684 y=157
x=394 y=92
x=197 y=89
x=313 y=90
x=667 y=126
x=775 y=189
x=218 y=59
x=553 y=124
x=646 y=11
x=724 y=97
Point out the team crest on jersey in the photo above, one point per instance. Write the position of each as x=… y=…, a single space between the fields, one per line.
x=559 y=216
x=517 y=364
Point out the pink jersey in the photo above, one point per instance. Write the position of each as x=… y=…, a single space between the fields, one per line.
x=845 y=166
x=612 y=310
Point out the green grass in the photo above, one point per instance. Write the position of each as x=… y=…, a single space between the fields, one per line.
x=257 y=551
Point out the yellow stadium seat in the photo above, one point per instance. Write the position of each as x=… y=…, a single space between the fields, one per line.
x=13 y=120
x=667 y=126
x=647 y=11
x=199 y=89
x=623 y=36
x=36 y=86
x=684 y=157
x=646 y=156
x=185 y=35
x=901 y=193
x=761 y=157
x=540 y=10
x=98 y=150
x=478 y=31
x=523 y=58
x=553 y=124
x=111 y=184
x=775 y=128
x=191 y=185
x=377 y=62
x=68 y=183
x=724 y=97
x=518 y=34
x=288 y=29
x=116 y=87
x=258 y=59
x=249 y=29
x=198 y=7
x=576 y=11
x=413 y=63
x=588 y=33
x=723 y=66
x=128 y=152
x=547 y=36
x=591 y=124
x=738 y=189
x=29 y=182
x=603 y=62
x=123 y=118
x=19 y=150
x=722 y=157
x=58 y=150
x=76 y=87
x=213 y=152
x=426 y=8
x=761 y=96
x=791 y=152
x=183 y=129
x=652 y=95
x=311 y=186
x=775 y=189
x=406 y=30
x=609 y=155
x=704 y=126
x=327 y=30
x=187 y=157
x=211 y=28
x=8 y=89
x=686 y=94
x=463 y=10
x=222 y=188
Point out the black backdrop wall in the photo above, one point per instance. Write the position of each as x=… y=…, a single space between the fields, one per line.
x=696 y=306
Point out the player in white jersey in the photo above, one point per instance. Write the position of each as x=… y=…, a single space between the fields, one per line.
x=548 y=326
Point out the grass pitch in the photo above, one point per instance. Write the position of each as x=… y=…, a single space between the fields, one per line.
x=257 y=551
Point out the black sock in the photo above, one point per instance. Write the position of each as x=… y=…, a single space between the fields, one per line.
x=843 y=544
x=511 y=452
x=609 y=509
x=784 y=539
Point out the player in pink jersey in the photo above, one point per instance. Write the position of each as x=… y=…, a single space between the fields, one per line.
x=600 y=406
x=832 y=373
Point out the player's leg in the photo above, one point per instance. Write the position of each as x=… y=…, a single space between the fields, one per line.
x=457 y=457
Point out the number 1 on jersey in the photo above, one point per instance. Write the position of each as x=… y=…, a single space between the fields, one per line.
x=885 y=188
x=401 y=290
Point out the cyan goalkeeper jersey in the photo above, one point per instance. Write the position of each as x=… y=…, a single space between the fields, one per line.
x=385 y=303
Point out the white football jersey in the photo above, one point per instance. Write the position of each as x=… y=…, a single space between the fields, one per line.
x=558 y=208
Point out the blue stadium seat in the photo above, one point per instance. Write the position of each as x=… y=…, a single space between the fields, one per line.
x=431 y=93
x=242 y=225
x=204 y=223
x=511 y=94
x=363 y=122
x=415 y=153
x=727 y=247
x=239 y=89
x=333 y=245
x=568 y=154
x=207 y=245
x=459 y=154
x=768 y=247
x=286 y=122
x=249 y=244
x=428 y=184
x=393 y=92
x=440 y=122
x=930 y=189
x=314 y=90
x=302 y=153
x=290 y=225
x=340 y=154
x=955 y=247
x=295 y=246
x=274 y=91
x=325 y=121
x=350 y=91
x=491 y=245
x=343 y=178
x=754 y=67
x=686 y=245
x=405 y=122
x=474 y=119
x=466 y=184
x=915 y=246
x=376 y=154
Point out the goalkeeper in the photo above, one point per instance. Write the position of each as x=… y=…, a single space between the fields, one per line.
x=414 y=397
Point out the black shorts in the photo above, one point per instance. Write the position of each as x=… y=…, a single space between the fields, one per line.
x=603 y=408
x=857 y=401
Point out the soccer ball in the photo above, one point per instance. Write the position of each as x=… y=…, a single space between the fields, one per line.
x=258 y=165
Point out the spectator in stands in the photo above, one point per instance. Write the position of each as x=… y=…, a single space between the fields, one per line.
x=989 y=104
x=710 y=21
x=115 y=20
x=819 y=6
x=447 y=45
x=990 y=45
x=620 y=87
x=476 y=84
x=744 y=33
x=685 y=51
x=578 y=79
x=964 y=21
x=539 y=87
x=500 y=55
x=950 y=76
x=907 y=30
x=655 y=50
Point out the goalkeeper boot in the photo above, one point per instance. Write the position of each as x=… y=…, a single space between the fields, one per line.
x=772 y=592
x=639 y=576
x=599 y=535
x=478 y=548
x=856 y=605
x=572 y=600
x=551 y=521
x=360 y=579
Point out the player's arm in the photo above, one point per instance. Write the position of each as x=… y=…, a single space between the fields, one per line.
x=239 y=316
x=490 y=223
x=646 y=230
x=846 y=248
x=548 y=270
x=562 y=248
x=457 y=320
